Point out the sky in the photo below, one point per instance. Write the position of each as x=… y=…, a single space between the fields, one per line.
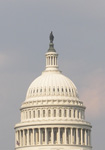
x=79 y=30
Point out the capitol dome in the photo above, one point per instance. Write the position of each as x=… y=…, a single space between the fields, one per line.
x=52 y=85
x=52 y=115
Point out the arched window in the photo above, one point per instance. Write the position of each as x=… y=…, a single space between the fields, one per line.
x=65 y=113
x=34 y=114
x=62 y=89
x=74 y=113
x=43 y=113
x=60 y=113
x=38 y=113
x=53 y=89
x=29 y=114
x=69 y=113
x=49 y=113
x=54 y=113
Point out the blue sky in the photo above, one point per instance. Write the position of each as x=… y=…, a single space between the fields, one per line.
x=79 y=30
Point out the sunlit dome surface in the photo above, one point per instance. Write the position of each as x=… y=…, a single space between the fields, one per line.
x=51 y=83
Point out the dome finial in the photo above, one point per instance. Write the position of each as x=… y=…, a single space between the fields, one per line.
x=51 y=37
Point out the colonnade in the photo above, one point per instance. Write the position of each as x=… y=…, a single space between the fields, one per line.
x=57 y=135
x=51 y=60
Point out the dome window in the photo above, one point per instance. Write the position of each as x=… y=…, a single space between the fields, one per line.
x=73 y=92
x=54 y=113
x=65 y=113
x=74 y=113
x=29 y=114
x=49 y=113
x=60 y=113
x=53 y=89
x=69 y=113
x=58 y=89
x=43 y=113
x=38 y=113
x=66 y=90
x=40 y=90
x=62 y=89
x=33 y=114
x=69 y=91
x=37 y=90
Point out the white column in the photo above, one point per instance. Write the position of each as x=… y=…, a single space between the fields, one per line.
x=77 y=140
x=81 y=136
x=33 y=134
x=27 y=137
x=58 y=135
x=23 y=137
x=40 y=136
x=71 y=136
x=20 y=137
x=52 y=137
x=46 y=136
x=65 y=135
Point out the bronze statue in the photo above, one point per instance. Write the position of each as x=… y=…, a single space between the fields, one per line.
x=51 y=37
